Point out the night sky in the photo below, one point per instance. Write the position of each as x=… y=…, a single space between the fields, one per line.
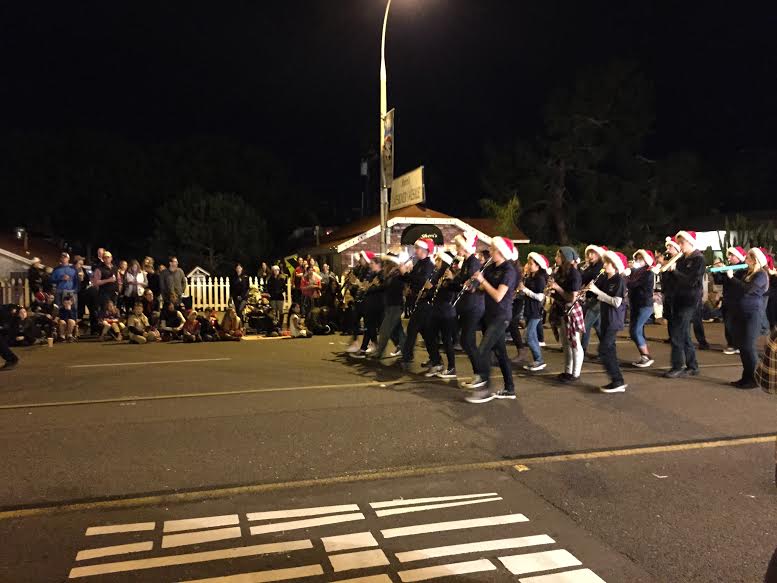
x=300 y=78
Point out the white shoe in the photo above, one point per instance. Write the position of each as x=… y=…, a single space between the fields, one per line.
x=643 y=362
x=434 y=370
x=355 y=347
x=371 y=348
x=543 y=344
x=730 y=350
x=482 y=396
x=535 y=366
x=397 y=352
x=475 y=383
x=613 y=388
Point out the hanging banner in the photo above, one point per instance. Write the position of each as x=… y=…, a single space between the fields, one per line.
x=387 y=150
x=408 y=189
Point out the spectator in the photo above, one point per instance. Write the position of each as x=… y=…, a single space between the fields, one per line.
x=171 y=322
x=297 y=323
x=111 y=321
x=151 y=307
x=36 y=275
x=83 y=286
x=93 y=294
x=191 y=328
x=139 y=328
x=276 y=287
x=68 y=318
x=104 y=278
x=65 y=278
x=325 y=275
x=296 y=283
x=121 y=273
x=238 y=289
x=311 y=290
x=173 y=281
x=263 y=275
x=152 y=276
x=24 y=331
x=134 y=285
x=44 y=313
x=231 y=328
x=209 y=325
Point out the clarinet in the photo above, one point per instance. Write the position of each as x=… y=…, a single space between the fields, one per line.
x=580 y=296
x=422 y=291
x=470 y=283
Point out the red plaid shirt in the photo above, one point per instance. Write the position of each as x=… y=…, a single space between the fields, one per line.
x=766 y=372
x=575 y=322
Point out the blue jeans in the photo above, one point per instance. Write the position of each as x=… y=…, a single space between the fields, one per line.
x=494 y=340
x=639 y=317
x=592 y=317
x=532 y=328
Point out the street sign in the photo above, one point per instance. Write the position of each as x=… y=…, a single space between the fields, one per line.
x=408 y=189
x=387 y=150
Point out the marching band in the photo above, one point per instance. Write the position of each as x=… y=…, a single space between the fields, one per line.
x=450 y=298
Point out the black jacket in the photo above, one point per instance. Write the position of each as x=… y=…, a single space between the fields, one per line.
x=469 y=301
x=640 y=285
x=238 y=286
x=687 y=279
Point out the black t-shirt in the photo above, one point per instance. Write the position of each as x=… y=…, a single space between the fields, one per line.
x=497 y=275
x=469 y=301
x=106 y=273
x=571 y=282
x=536 y=283
x=613 y=318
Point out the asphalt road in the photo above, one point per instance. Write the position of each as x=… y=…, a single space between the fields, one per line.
x=671 y=482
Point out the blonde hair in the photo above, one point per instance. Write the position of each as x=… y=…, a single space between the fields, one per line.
x=753 y=269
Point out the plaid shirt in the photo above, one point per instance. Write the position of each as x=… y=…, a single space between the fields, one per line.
x=575 y=322
x=766 y=372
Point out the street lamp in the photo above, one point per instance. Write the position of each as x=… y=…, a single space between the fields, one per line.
x=384 y=233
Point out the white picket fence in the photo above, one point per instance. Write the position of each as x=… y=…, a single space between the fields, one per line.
x=213 y=292
x=15 y=291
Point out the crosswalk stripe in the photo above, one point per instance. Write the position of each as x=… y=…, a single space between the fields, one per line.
x=118 y=528
x=186 y=559
x=296 y=524
x=346 y=542
x=264 y=576
x=453 y=525
x=464 y=568
x=297 y=512
x=114 y=550
x=578 y=576
x=405 y=510
x=368 y=579
x=201 y=536
x=543 y=561
x=476 y=547
x=204 y=522
x=405 y=502
x=358 y=560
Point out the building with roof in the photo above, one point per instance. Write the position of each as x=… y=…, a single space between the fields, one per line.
x=18 y=251
x=342 y=246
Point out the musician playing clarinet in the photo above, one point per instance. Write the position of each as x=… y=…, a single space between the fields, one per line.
x=470 y=308
x=687 y=276
x=594 y=255
x=418 y=280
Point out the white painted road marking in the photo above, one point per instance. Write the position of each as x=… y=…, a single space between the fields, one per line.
x=477 y=547
x=114 y=550
x=369 y=579
x=133 y=363
x=116 y=528
x=204 y=522
x=296 y=524
x=544 y=561
x=407 y=509
x=358 y=560
x=578 y=576
x=297 y=512
x=446 y=570
x=347 y=542
x=264 y=576
x=200 y=536
x=453 y=525
x=403 y=502
x=202 y=557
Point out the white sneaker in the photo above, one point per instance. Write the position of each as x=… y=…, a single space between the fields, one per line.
x=482 y=396
x=543 y=344
x=434 y=370
x=475 y=383
x=614 y=388
x=371 y=348
x=644 y=362
x=397 y=352
x=535 y=366
x=355 y=347
x=730 y=350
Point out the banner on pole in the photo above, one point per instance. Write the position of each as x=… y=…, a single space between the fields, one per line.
x=408 y=189
x=387 y=150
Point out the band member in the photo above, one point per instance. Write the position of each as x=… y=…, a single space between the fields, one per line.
x=498 y=282
x=358 y=276
x=687 y=276
x=515 y=324
x=7 y=314
x=396 y=266
x=419 y=279
x=567 y=313
x=442 y=321
x=667 y=283
x=594 y=255
x=372 y=306
x=640 y=286
x=613 y=310
x=746 y=305
x=470 y=306
x=532 y=288
x=736 y=256
x=771 y=304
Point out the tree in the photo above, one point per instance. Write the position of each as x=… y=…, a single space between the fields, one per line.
x=506 y=214
x=212 y=229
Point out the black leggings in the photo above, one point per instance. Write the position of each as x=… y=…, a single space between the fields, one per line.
x=372 y=320
x=442 y=326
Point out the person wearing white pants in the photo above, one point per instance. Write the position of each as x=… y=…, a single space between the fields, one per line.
x=568 y=313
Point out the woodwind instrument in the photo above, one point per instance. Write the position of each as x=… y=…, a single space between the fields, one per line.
x=468 y=285
x=667 y=265
x=580 y=295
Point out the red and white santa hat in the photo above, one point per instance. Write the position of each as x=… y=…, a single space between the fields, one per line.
x=738 y=252
x=540 y=260
x=506 y=247
x=769 y=260
x=368 y=255
x=467 y=241
x=689 y=236
x=760 y=257
x=600 y=250
x=446 y=256
x=672 y=242
x=618 y=259
x=646 y=255
x=427 y=244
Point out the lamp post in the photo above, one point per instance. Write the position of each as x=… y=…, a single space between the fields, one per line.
x=384 y=233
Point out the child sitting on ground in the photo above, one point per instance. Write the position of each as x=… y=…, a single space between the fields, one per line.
x=230 y=326
x=111 y=321
x=140 y=331
x=67 y=320
x=191 y=328
x=297 y=323
x=171 y=322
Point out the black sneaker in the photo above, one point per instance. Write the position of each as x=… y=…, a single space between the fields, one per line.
x=505 y=395
x=675 y=373
x=9 y=364
x=692 y=372
x=614 y=388
x=704 y=346
x=481 y=396
x=564 y=377
x=362 y=354
x=447 y=374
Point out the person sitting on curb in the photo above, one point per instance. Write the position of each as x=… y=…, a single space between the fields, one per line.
x=140 y=330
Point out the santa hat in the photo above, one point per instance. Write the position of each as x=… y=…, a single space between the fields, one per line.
x=737 y=252
x=540 y=260
x=672 y=242
x=467 y=241
x=760 y=257
x=427 y=244
x=368 y=255
x=599 y=250
x=769 y=260
x=446 y=257
x=618 y=259
x=506 y=247
x=646 y=255
x=689 y=236
x=400 y=259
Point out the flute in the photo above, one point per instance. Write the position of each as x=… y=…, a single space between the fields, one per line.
x=736 y=267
